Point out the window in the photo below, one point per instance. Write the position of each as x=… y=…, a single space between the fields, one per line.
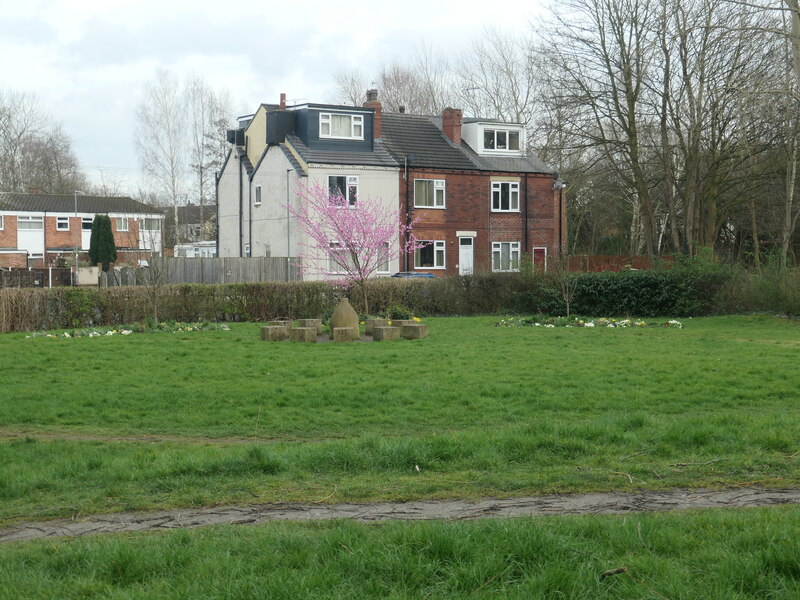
x=343 y=190
x=505 y=196
x=122 y=224
x=257 y=201
x=430 y=256
x=86 y=223
x=247 y=250
x=2 y=223
x=383 y=259
x=62 y=223
x=151 y=224
x=501 y=139
x=36 y=223
x=505 y=256
x=429 y=193
x=348 y=127
x=339 y=258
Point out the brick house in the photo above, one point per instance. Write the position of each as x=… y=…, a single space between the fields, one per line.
x=36 y=230
x=482 y=201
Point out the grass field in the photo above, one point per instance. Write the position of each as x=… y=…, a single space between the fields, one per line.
x=479 y=410
x=709 y=555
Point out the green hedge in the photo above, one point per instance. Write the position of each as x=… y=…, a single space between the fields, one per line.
x=692 y=288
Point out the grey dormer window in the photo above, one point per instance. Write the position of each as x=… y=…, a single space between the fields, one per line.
x=501 y=139
x=341 y=126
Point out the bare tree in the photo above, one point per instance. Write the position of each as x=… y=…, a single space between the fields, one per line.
x=351 y=87
x=161 y=140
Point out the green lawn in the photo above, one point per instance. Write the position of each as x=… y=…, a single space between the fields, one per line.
x=481 y=410
x=709 y=555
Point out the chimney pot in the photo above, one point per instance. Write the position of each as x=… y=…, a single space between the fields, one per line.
x=372 y=95
x=283 y=101
x=402 y=109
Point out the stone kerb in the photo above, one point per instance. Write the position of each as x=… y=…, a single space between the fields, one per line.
x=401 y=322
x=274 y=333
x=387 y=334
x=343 y=334
x=414 y=331
x=304 y=334
x=311 y=323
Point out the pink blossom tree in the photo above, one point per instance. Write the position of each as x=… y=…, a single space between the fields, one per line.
x=349 y=239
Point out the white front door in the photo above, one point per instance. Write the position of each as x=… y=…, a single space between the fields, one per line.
x=465 y=255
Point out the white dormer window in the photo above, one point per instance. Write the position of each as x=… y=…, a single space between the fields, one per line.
x=504 y=140
x=340 y=126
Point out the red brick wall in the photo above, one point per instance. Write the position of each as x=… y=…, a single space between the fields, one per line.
x=468 y=208
x=15 y=260
x=8 y=235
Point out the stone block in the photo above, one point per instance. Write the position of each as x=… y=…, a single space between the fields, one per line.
x=401 y=322
x=304 y=334
x=415 y=331
x=370 y=324
x=344 y=315
x=343 y=334
x=287 y=325
x=311 y=323
x=274 y=333
x=385 y=334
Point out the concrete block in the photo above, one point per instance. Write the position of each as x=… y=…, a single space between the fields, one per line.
x=381 y=334
x=401 y=322
x=274 y=333
x=343 y=334
x=304 y=334
x=287 y=325
x=311 y=323
x=370 y=324
x=416 y=331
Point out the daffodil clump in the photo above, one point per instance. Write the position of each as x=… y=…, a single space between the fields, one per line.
x=166 y=327
x=552 y=322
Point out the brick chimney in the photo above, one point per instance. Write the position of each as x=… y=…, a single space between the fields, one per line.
x=283 y=101
x=374 y=103
x=451 y=124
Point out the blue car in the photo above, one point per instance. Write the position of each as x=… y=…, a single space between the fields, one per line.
x=414 y=274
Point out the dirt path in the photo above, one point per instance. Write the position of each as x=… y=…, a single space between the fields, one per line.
x=8 y=434
x=567 y=504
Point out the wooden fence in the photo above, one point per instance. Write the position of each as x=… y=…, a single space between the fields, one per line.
x=208 y=270
x=47 y=277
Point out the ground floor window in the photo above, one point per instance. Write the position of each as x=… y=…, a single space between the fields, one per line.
x=339 y=259
x=383 y=259
x=431 y=255
x=505 y=256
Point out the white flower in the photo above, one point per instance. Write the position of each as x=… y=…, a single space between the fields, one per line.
x=589 y=324
x=94 y=334
x=549 y=325
x=109 y=332
x=67 y=334
x=125 y=331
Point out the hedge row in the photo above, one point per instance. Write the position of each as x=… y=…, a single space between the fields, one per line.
x=684 y=290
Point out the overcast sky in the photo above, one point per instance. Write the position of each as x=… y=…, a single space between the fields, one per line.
x=88 y=60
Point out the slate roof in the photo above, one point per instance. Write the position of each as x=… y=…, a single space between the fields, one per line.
x=405 y=134
x=65 y=203
x=248 y=166
x=379 y=157
x=298 y=168
x=420 y=135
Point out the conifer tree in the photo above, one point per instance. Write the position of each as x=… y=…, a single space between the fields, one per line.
x=101 y=243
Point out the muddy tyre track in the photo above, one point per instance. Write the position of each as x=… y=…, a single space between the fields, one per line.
x=565 y=504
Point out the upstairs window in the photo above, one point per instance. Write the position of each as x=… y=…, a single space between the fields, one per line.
x=36 y=223
x=151 y=224
x=257 y=201
x=62 y=223
x=429 y=193
x=501 y=139
x=122 y=224
x=505 y=196
x=343 y=190
x=347 y=127
x=86 y=223
x=2 y=223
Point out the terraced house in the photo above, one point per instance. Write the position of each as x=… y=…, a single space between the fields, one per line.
x=38 y=229
x=482 y=201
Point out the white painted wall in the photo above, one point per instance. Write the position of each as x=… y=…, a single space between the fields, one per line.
x=229 y=208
